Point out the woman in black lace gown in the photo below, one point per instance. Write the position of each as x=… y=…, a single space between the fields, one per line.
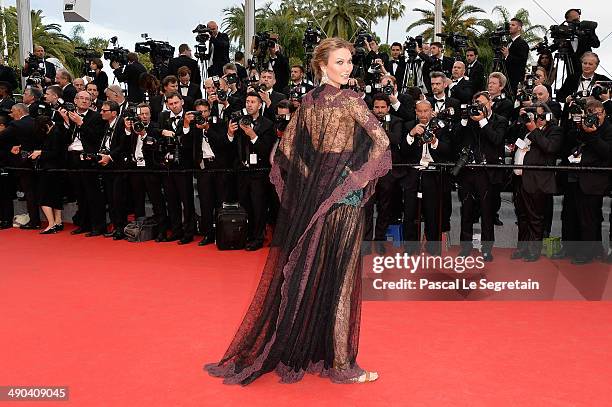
x=305 y=314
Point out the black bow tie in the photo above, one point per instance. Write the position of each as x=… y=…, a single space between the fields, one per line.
x=395 y=61
x=183 y=86
x=586 y=79
x=175 y=118
x=440 y=100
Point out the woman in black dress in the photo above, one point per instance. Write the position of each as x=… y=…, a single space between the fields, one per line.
x=100 y=77
x=305 y=314
x=50 y=156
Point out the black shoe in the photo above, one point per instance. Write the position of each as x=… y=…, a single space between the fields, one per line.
x=30 y=226
x=518 y=254
x=487 y=256
x=531 y=258
x=497 y=221
x=581 y=260
x=94 y=233
x=173 y=238
x=206 y=240
x=49 y=231
x=109 y=234
x=59 y=227
x=6 y=225
x=185 y=240
x=118 y=236
x=254 y=245
x=79 y=231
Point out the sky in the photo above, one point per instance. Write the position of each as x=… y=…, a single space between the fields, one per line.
x=128 y=19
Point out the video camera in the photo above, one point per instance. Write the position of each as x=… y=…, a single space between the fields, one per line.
x=500 y=38
x=36 y=65
x=34 y=79
x=312 y=37
x=362 y=37
x=570 y=30
x=203 y=33
x=456 y=41
x=116 y=54
x=410 y=46
x=600 y=88
x=86 y=53
x=542 y=47
x=156 y=49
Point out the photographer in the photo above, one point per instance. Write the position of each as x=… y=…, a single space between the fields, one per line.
x=279 y=64
x=177 y=185
x=541 y=95
x=439 y=101
x=21 y=138
x=83 y=135
x=100 y=78
x=213 y=151
x=254 y=137
x=236 y=88
x=482 y=136
x=584 y=42
x=435 y=62
x=460 y=87
x=515 y=54
x=32 y=98
x=500 y=103
x=539 y=140
x=298 y=81
x=185 y=59
x=114 y=93
x=7 y=74
x=37 y=63
x=269 y=96
x=387 y=201
x=219 y=99
x=64 y=81
x=402 y=105
x=186 y=87
x=396 y=66
x=159 y=103
x=130 y=74
x=590 y=142
x=219 y=50
x=475 y=70
x=582 y=82
x=139 y=144
x=7 y=181
x=96 y=101
x=426 y=143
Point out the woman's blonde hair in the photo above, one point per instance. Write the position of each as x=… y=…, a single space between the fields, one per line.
x=322 y=51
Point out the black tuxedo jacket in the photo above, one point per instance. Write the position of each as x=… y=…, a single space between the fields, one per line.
x=6 y=104
x=281 y=72
x=503 y=107
x=307 y=87
x=487 y=141
x=7 y=74
x=68 y=93
x=270 y=111
x=545 y=144
x=518 y=53
x=431 y=64
x=477 y=75
x=117 y=141
x=19 y=133
x=90 y=132
x=572 y=83
x=223 y=149
x=463 y=90
x=186 y=143
x=128 y=147
x=221 y=46
x=131 y=74
x=184 y=60
x=596 y=152
x=157 y=106
x=406 y=108
x=400 y=70
x=395 y=131
x=264 y=128
x=193 y=91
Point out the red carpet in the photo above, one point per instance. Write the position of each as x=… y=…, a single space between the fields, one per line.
x=125 y=324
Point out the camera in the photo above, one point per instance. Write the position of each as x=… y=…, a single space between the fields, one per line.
x=91 y=156
x=198 y=118
x=312 y=36
x=388 y=88
x=282 y=120
x=529 y=115
x=362 y=37
x=34 y=79
x=132 y=113
x=159 y=49
x=35 y=65
x=541 y=47
x=447 y=115
x=524 y=95
x=24 y=155
x=116 y=55
x=590 y=120
x=241 y=117
x=203 y=33
x=474 y=109
x=466 y=155
x=68 y=106
x=500 y=38
x=221 y=94
x=600 y=88
x=456 y=41
x=570 y=30
x=412 y=43
x=297 y=92
x=231 y=78
x=86 y=53
x=258 y=87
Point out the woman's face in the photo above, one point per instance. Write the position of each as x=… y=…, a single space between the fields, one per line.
x=339 y=67
x=544 y=60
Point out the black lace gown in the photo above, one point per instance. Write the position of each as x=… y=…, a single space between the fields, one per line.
x=305 y=314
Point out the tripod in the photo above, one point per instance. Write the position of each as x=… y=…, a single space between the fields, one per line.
x=562 y=57
x=410 y=77
x=499 y=65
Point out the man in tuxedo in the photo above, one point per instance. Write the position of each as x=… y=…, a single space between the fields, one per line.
x=436 y=62
x=440 y=102
x=582 y=82
x=6 y=97
x=96 y=102
x=402 y=104
x=64 y=80
x=185 y=59
x=483 y=134
x=539 y=140
x=385 y=198
x=279 y=64
x=542 y=96
x=298 y=80
x=423 y=148
x=7 y=74
x=45 y=68
x=500 y=103
x=254 y=143
x=396 y=66
x=240 y=68
x=32 y=98
x=219 y=49
x=186 y=87
x=515 y=55
x=115 y=94
x=83 y=134
x=221 y=108
x=460 y=86
x=21 y=137
x=138 y=149
x=582 y=43
x=475 y=70
x=178 y=186
x=269 y=95
x=159 y=102
x=212 y=150
x=79 y=84
x=7 y=182
x=591 y=147
x=131 y=74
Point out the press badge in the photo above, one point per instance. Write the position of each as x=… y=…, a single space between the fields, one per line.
x=253 y=158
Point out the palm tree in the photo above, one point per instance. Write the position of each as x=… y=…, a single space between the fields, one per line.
x=394 y=10
x=49 y=36
x=457 y=17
